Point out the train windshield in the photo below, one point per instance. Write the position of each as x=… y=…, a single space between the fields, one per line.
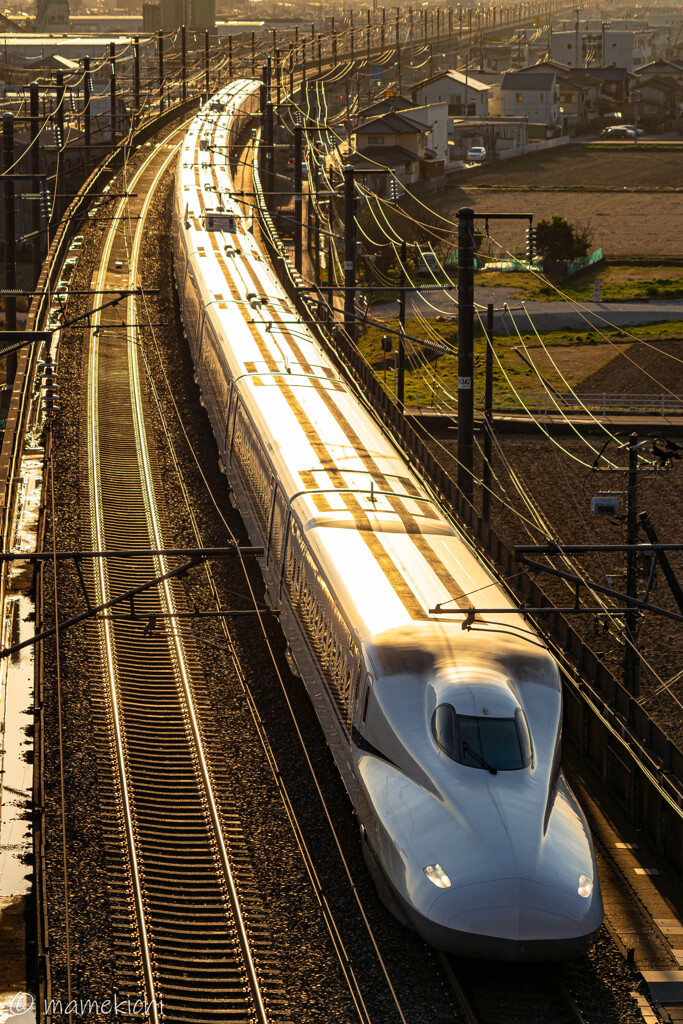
x=493 y=744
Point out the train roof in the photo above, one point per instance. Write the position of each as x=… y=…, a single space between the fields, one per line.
x=386 y=549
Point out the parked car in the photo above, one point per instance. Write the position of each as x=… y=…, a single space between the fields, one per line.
x=632 y=128
x=475 y=154
x=619 y=131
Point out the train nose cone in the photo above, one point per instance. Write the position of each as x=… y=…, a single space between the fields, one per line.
x=516 y=908
x=512 y=919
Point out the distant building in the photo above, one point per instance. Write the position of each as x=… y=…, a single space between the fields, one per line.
x=593 y=48
x=627 y=42
x=659 y=93
x=384 y=106
x=579 y=91
x=465 y=94
x=616 y=83
x=535 y=96
x=52 y=16
x=434 y=119
x=106 y=24
x=670 y=69
x=502 y=57
x=46 y=53
x=151 y=17
x=398 y=142
x=172 y=14
x=203 y=14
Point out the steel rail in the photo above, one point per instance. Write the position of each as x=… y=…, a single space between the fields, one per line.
x=170 y=608
x=549 y=984
x=97 y=518
x=176 y=651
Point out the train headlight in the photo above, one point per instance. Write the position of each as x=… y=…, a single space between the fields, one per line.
x=585 y=886
x=436 y=874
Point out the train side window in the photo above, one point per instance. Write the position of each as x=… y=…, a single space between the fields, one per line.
x=355 y=696
x=443 y=728
x=366 y=700
x=524 y=737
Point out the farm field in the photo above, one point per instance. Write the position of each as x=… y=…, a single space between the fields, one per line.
x=623 y=223
x=633 y=201
x=579 y=167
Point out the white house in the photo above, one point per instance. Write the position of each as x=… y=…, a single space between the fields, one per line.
x=434 y=117
x=465 y=94
x=531 y=94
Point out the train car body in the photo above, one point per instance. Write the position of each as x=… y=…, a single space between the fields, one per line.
x=447 y=738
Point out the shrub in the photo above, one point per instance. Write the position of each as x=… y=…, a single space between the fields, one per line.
x=557 y=239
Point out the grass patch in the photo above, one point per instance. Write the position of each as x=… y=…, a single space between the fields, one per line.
x=432 y=379
x=619 y=284
x=634 y=147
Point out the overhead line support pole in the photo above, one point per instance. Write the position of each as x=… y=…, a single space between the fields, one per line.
x=298 y=197
x=488 y=420
x=465 y=350
x=268 y=130
x=669 y=574
x=631 y=656
x=136 y=74
x=10 y=245
x=400 y=383
x=36 y=241
x=183 y=62
x=59 y=124
x=207 y=65
x=86 y=108
x=112 y=89
x=160 y=47
x=349 y=252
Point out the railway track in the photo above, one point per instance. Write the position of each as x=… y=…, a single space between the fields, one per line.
x=490 y=992
x=190 y=931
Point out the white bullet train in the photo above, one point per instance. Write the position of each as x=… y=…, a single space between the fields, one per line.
x=447 y=738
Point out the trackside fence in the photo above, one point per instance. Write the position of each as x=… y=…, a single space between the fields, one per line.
x=635 y=758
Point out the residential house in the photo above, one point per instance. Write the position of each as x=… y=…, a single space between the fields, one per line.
x=669 y=69
x=579 y=91
x=590 y=84
x=616 y=83
x=660 y=98
x=398 y=142
x=434 y=118
x=383 y=106
x=466 y=94
x=502 y=57
x=534 y=95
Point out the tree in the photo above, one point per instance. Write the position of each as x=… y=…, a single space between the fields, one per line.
x=557 y=239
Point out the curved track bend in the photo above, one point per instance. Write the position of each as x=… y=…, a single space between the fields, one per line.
x=189 y=928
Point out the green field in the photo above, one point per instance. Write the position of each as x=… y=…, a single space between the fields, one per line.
x=562 y=358
x=620 y=283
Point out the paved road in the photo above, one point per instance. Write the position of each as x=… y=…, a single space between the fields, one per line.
x=546 y=316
